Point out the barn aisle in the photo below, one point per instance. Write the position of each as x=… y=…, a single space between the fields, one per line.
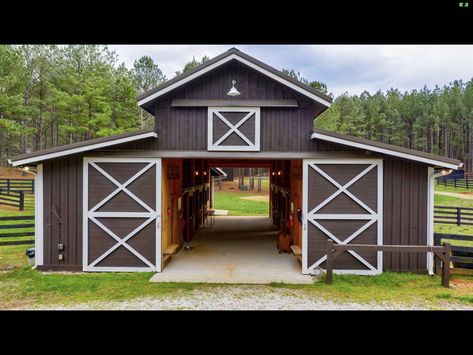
x=235 y=250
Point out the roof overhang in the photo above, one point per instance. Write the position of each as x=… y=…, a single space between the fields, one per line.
x=244 y=59
x=387 y=149
x=81 y=147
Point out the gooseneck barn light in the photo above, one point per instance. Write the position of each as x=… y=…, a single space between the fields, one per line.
x=233 y=91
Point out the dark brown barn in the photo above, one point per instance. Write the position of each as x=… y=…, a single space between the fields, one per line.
x=124 y=202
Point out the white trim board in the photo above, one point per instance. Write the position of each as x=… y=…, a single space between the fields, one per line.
x=84 y=148
x=38 y=226
x=370 y=216
x=241 y=60
x=347 y=142
x=153 y=214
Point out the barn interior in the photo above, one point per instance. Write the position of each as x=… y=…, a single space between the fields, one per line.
x=199 y=246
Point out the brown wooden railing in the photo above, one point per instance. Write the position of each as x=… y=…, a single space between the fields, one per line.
x=443 y=252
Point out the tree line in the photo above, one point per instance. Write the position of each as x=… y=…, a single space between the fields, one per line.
x=438 y=121
x=52 y=95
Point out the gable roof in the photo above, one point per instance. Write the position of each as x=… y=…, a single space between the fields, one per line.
x=233 y=54
x=84 y=146
x=388 y=149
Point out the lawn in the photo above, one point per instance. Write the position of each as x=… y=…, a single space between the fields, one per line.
x=236 y=206
x=26 y=287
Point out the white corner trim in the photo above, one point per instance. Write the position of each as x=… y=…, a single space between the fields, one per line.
x=244 y=61
x=84 y=148
x=431 y=175
x=328 y=138
x=38 y=223
x=216 y=146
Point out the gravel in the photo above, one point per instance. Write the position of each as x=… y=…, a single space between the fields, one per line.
x=249 y=297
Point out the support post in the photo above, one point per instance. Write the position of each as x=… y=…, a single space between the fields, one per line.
x=446 y=266
x=329 y=267
x=22 y=201
x=459 y=211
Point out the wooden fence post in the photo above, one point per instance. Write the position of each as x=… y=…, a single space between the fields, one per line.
x=22 y=201
x=8 y=185
x=446 y=265
x=32 y=186
x=459 y=221
x=329 y=262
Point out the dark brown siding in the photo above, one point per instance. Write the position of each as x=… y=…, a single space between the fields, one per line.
x=405 y=213
x=62 y=181
x=185 y=128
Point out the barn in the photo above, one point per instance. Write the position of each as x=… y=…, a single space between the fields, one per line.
x=129 y=201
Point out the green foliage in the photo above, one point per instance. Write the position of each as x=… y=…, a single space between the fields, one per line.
x=192 y=64
x=315 y=84
x=438 y=121
x=54 y=95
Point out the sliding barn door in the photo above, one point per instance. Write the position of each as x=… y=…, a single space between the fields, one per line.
x=122 y=214
x=342 y=201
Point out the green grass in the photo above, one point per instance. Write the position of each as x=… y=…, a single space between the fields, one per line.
x=440 y=200
x=236 y=206
x=388 y=287
x=452 y=189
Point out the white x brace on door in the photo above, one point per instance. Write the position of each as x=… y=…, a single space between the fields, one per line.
x=122 y=214
x=342 y=197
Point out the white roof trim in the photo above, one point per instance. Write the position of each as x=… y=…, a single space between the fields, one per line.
x=223 y=61
x=384 y=151
x=83 y=149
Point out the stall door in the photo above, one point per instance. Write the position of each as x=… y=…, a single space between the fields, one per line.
x=342 y=201
x=122 y=214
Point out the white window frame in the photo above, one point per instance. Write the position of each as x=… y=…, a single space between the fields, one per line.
x=252 y=147
x=152 y=214
x=371 y=216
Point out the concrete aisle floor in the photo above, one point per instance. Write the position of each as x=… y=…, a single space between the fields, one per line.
x=235 y=250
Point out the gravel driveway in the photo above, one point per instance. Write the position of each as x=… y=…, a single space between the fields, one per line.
x=243 y=298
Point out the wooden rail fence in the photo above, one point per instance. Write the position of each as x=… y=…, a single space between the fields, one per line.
x=442 y=252
x=23 y=222
x=25 y=185
x=462 y=256
x=453 y=215
x=13 y=198
x=459 y=180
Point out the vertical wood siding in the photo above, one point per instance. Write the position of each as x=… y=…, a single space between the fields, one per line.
x=282 y=129
x=405 y=213
x=63 y=197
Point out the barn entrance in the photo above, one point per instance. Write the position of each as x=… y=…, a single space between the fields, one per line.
x=246 y=246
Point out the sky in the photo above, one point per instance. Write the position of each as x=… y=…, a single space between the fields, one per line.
x=343 y=68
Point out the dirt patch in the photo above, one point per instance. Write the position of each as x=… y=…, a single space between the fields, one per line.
x=258 y=198
x=462 y=286
x=232 y=186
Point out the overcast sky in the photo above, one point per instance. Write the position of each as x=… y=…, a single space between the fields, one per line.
x=352 y=68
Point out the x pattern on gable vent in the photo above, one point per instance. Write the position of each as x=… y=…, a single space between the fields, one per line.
x=228 y=131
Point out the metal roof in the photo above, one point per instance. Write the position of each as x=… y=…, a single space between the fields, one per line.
x=80 y=147
x=388 y=149
x=147 y=97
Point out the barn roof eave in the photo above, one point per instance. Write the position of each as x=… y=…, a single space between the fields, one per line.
x=232 y=54
x=388 y=149
x=80 y=147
